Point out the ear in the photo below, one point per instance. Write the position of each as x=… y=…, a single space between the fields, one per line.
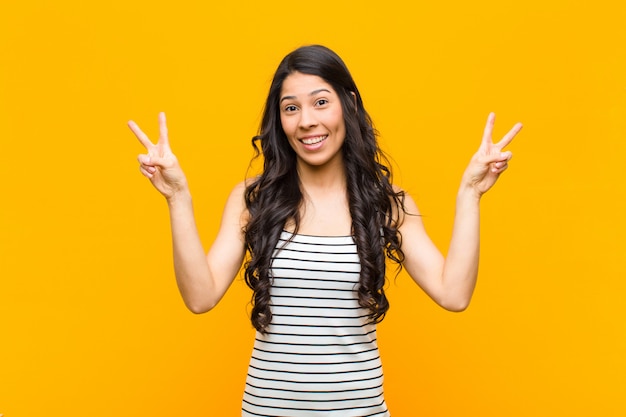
x=353 y=98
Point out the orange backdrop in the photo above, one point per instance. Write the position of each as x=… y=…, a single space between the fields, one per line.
x=91 y=323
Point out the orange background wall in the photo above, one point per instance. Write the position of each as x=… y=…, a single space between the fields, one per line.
x=91 y=323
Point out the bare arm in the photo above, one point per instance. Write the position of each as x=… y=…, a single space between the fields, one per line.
x=202 y=279
x=450 y=281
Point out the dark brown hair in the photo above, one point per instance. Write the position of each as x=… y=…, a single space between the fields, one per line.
x=274 y=198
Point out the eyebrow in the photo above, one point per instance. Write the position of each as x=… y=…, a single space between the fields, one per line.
x=312 y=93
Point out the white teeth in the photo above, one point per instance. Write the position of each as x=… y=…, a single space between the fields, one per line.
x=313 y=141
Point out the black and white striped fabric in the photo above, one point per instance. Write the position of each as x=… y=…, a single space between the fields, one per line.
x=320 y=356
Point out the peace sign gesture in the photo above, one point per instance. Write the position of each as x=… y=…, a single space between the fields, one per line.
x=159 y=164
x=489 y=161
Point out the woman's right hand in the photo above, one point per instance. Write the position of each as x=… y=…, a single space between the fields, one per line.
x=159 y=164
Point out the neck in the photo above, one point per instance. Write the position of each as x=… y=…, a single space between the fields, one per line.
x=329 y=177
x=325 y=208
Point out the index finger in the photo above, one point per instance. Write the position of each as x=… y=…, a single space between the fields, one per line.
x=509 y=136
x=491 y=119
x=143 y=138
x=163 y=137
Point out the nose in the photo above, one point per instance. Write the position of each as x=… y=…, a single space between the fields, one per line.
x=307 y=118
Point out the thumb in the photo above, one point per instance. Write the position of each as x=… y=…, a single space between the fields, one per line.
x=151 y=160
x=162 y=161
x=143 y=159
x=496 y=157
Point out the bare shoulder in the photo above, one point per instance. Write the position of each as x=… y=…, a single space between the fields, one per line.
x=239 y=189
x=237 y=194
x=235 y=210
x=408 y=208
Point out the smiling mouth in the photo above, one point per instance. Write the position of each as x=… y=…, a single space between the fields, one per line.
x=313 y=140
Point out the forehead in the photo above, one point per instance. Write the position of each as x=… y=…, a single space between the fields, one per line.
x=298 y=85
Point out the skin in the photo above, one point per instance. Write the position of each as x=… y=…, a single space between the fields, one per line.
x=450 y=281
x=311 y=108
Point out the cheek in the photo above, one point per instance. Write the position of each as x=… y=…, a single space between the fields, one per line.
x=289 y=133
x=339 y=121
x=341 y=126
x=286 y=126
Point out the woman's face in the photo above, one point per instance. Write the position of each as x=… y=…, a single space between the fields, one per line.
x=312 y=119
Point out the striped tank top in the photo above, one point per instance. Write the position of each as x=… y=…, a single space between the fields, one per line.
x=320 y=355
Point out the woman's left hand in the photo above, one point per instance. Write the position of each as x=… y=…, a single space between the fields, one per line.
x=489 y=161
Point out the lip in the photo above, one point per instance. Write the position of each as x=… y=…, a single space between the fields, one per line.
x=313 y=139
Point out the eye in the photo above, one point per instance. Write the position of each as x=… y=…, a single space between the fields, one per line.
x=321 y=102
x=290 y=108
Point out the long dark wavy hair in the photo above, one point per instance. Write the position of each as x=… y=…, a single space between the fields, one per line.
x=275 y=198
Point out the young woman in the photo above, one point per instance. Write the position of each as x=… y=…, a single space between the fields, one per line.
x=319 y=224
